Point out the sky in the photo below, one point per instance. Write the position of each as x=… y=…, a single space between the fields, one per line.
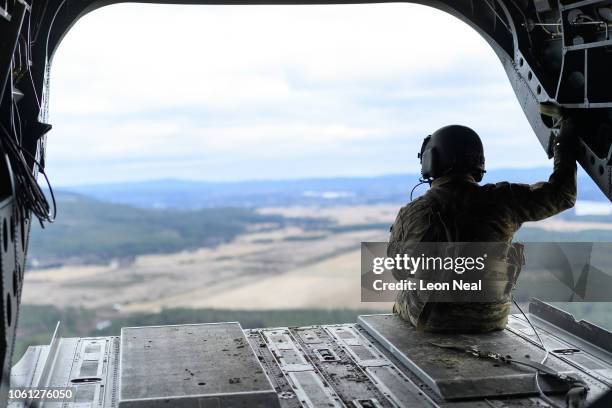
x=141 y=92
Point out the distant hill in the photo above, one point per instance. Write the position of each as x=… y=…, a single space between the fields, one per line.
x=181 y=194
x=92 y=231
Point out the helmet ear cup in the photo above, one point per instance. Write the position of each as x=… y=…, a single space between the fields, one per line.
x=430 y=159
x=478 y=176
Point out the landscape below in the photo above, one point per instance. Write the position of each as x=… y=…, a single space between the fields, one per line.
x=265 y=253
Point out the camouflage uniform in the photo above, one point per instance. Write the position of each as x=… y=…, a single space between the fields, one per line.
x=475 y=213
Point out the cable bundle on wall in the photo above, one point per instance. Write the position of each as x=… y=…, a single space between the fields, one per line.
x=27 y=191
x=19 y=155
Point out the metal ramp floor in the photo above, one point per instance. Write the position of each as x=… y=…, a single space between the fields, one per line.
x=378 y=362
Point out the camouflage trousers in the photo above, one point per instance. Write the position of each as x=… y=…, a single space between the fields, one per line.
x=449 y=317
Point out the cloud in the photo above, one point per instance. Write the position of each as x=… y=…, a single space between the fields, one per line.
x=235 y=92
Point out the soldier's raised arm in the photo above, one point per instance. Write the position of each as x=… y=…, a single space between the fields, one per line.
x=541 y=200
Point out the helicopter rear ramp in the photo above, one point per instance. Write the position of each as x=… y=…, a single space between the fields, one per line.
x=379 y=362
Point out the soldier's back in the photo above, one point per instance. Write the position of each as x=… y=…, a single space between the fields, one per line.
x=457 y=209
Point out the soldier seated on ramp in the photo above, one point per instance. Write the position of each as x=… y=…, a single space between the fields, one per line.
x=458 y=209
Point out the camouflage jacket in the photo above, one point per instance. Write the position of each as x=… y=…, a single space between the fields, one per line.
x=474 y=213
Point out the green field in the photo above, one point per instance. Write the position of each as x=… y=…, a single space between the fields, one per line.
x=91 y=231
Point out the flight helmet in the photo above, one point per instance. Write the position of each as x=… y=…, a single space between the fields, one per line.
x=453 y=149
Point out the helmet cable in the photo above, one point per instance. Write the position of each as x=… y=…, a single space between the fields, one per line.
x=421 y=181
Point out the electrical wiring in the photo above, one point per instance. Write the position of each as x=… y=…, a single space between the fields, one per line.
x=37 y=195
x=51 y=29
x=34 y=88
x=18 y=128
x=492 y=7
x=546 y=354
x=22 y=165
x=41 y=19
x=29 y=59
x=28 y=192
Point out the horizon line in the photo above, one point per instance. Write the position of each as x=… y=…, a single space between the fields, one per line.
x=260 y=180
